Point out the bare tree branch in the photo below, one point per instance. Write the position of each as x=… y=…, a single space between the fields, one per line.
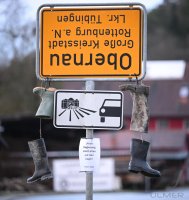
x=14 y=31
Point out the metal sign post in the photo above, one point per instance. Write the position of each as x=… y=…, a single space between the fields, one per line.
x=90 y=42
x=89 y=85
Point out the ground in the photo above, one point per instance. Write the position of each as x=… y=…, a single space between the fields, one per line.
x=178 y=193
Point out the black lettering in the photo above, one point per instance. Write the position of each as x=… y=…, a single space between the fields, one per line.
x=128 y=56
x=106 y=43
x=80 y=62
x=127 y=33
x=65 y=59
x=112 y=59
x=56 y=56
x=78 y=31
x=76 y=43
x=65 y=18
x=119 y=43
x=59 y=18
x=130 y=44
x=116 y=18
x=57 y=33
x=100 y=59
x=71 y=17
x=69 y=43
x=50 y=44
x=90 y=60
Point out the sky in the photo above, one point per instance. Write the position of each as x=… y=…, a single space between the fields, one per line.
x=33 y=5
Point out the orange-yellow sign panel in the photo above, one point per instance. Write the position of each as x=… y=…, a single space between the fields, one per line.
x=90 y=42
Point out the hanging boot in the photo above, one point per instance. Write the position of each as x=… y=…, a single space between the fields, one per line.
x=138 y=163
x=139 y=94
x=42 y=170
x=46 y=106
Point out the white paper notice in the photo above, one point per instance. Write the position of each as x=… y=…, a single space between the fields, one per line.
x=89 y=154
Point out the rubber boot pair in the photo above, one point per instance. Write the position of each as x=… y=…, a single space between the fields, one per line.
x=37 y=147
x=139 y=123
x=40 y=159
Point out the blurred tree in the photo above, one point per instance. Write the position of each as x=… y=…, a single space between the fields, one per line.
x=16 y=35
x=16 y=85
x=168 y=28
x=182 y=18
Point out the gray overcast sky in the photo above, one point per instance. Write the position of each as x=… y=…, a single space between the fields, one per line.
x=33 y=5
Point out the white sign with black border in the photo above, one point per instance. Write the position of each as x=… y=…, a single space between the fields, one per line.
x=88 y=109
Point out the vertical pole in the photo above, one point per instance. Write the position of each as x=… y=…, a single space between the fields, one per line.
x=89 y=85
x=89 y=175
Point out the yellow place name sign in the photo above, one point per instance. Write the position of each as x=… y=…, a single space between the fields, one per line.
x=90 y=42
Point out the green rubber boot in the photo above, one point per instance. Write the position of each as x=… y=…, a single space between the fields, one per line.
x=46 y=106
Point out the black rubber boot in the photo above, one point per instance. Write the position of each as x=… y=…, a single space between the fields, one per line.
x=140 y=116
x=138 y=163
x=42 y=170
